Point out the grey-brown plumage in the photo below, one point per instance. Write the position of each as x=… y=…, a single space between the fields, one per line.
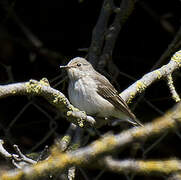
x=93 y=93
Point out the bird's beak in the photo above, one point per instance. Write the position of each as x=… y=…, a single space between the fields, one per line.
x=65 y=67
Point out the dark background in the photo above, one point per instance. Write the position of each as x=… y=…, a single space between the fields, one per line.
x=65 y=27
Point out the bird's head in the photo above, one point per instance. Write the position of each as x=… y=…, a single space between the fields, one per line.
x=78 y=68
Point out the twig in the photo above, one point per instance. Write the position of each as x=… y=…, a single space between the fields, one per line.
x=19 y=160
x=22 y=157
x=171 y=86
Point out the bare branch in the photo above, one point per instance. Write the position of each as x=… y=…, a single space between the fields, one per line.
x=19 y=160
x=99 y=32
x=122 y=13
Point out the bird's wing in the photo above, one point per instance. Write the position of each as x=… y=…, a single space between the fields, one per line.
x=107 y=91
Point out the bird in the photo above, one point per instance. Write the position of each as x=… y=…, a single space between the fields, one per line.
x=90 y=91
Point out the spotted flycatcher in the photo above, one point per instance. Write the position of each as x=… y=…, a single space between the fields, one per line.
x=93 y=93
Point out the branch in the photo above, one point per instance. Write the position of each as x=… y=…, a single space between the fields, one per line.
x=99 y=32
x=140 y=86
x=146 y=167
x=109 y=143
x=19 y=160
x=104 y=36
x=53 y=96
x=76 y=116
x=122 y=13
x=171 y=86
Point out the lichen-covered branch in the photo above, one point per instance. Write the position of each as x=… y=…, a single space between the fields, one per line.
x=141 y=85
x=74 y=115
x=53 y=96
x=60 y=161
x=146 y=167
x=171 y=86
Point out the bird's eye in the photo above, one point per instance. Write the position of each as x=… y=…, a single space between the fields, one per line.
x=78 y=64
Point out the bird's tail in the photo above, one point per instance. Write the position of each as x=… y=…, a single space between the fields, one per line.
x=134 y=121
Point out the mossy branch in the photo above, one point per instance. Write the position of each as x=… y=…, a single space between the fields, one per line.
x=59 y=161
x=140 y=86
x=55 y=97
x=74 y=115
x=146 y=167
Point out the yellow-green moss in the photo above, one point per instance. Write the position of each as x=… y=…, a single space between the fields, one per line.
x=75 y=146
x=159 y=166
x=158 y=73
x=58 y=98
x=131 y=97
x=45 y=82
x=13 y=91
x=33 y=87
x=66 y=138
x=80 y=121
x=101 y=145
x=177 y=58
x=14 y=175
x=176 y=98
x=140 y=86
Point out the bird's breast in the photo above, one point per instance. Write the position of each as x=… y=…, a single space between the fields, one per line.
x=83 y=95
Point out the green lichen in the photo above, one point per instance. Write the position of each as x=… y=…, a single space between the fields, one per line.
x=69 y=113
x=13 y=92
x=45 y=82
x=75 y=146
x=58 y=98
x=66 y=139
x=80 y=121
x=177 y=58
x=140 y=86
x=33 y=87
x=131 y=97
x=158 y=74
x=176 y=98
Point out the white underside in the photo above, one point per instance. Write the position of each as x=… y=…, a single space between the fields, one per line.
x=88 y=100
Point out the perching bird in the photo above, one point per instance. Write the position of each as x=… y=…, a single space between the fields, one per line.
x=93 y=93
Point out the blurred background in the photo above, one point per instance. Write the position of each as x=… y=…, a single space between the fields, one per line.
x=36 y=37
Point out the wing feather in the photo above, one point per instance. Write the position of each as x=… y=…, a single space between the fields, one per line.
x=107 y=91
